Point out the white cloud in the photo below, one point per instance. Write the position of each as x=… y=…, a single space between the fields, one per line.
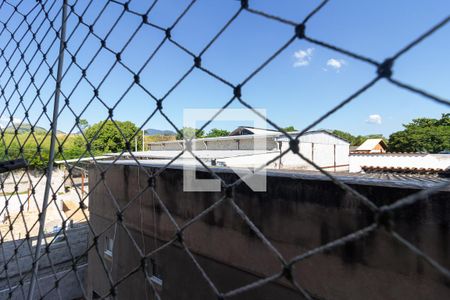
x=7 y=121
x=3 y=122
x=374 y=119
x=303 y=57
x=336 y=64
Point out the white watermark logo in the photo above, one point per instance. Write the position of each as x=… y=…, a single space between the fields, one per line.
x=243 y=154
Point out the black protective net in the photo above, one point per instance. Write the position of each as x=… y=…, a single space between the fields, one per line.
x=52 y=53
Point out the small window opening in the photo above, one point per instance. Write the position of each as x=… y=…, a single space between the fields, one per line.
x=109 y=245
x=95 y=295
x=154 y=271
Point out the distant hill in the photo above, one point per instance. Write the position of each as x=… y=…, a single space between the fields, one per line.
x=159 y=132
x=26 y=128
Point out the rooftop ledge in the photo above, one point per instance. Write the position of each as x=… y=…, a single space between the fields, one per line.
x=442 y=184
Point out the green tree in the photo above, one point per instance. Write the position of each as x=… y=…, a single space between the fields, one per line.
x=84 y=124
x=344 y=135
x=217 y=132
x=422 y=135
x=110 y=139
x=356 y=140
x=189 y=132
x=73 y=147
x=289 y=129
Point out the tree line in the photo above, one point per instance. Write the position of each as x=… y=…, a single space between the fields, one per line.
x=100 y=138
x=420 y=135
x=358 y=139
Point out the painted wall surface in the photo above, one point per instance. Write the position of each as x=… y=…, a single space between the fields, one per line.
x=322 y=138
x=178 y=145
x=298 y=212
x=399 y=160
x=326 y=156
x=252 y=161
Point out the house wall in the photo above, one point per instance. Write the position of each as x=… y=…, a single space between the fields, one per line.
x=378 y=148
x=399 y=160
x=342 y=157
x=221 y=145
x=258 y=144
x=321 y=137
x=297 y=213
x=252 y=161
x=331 y=157
x=326 y=156
x=166 y=146
x=155 y=147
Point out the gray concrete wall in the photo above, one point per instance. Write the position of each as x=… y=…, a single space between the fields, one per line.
x=68 y=287
x=19 y=263
x=297 y=213
x=228 y=143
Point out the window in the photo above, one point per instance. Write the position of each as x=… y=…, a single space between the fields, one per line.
x=95 y=295
x=154 y=271
x=109 y=245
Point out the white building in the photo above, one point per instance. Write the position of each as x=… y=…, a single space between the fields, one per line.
x=247 y=146
x=325 y=149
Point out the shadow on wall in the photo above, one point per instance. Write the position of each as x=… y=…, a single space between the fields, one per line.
x=16 y=260
x=297 y=213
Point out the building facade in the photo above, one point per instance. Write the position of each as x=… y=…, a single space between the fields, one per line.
x=257 y=147
x=299 y=212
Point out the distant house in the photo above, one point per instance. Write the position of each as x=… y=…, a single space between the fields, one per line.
x=372 y=146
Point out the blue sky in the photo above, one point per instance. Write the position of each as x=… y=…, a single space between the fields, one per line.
x=296 y=88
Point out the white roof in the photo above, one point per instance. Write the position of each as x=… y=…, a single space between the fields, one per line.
x=254 y=131
x=369 y=144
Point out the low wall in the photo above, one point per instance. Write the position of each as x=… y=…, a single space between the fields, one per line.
x=298 y=212
x=60 y=256
x=399 y=160
x=69 y=287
